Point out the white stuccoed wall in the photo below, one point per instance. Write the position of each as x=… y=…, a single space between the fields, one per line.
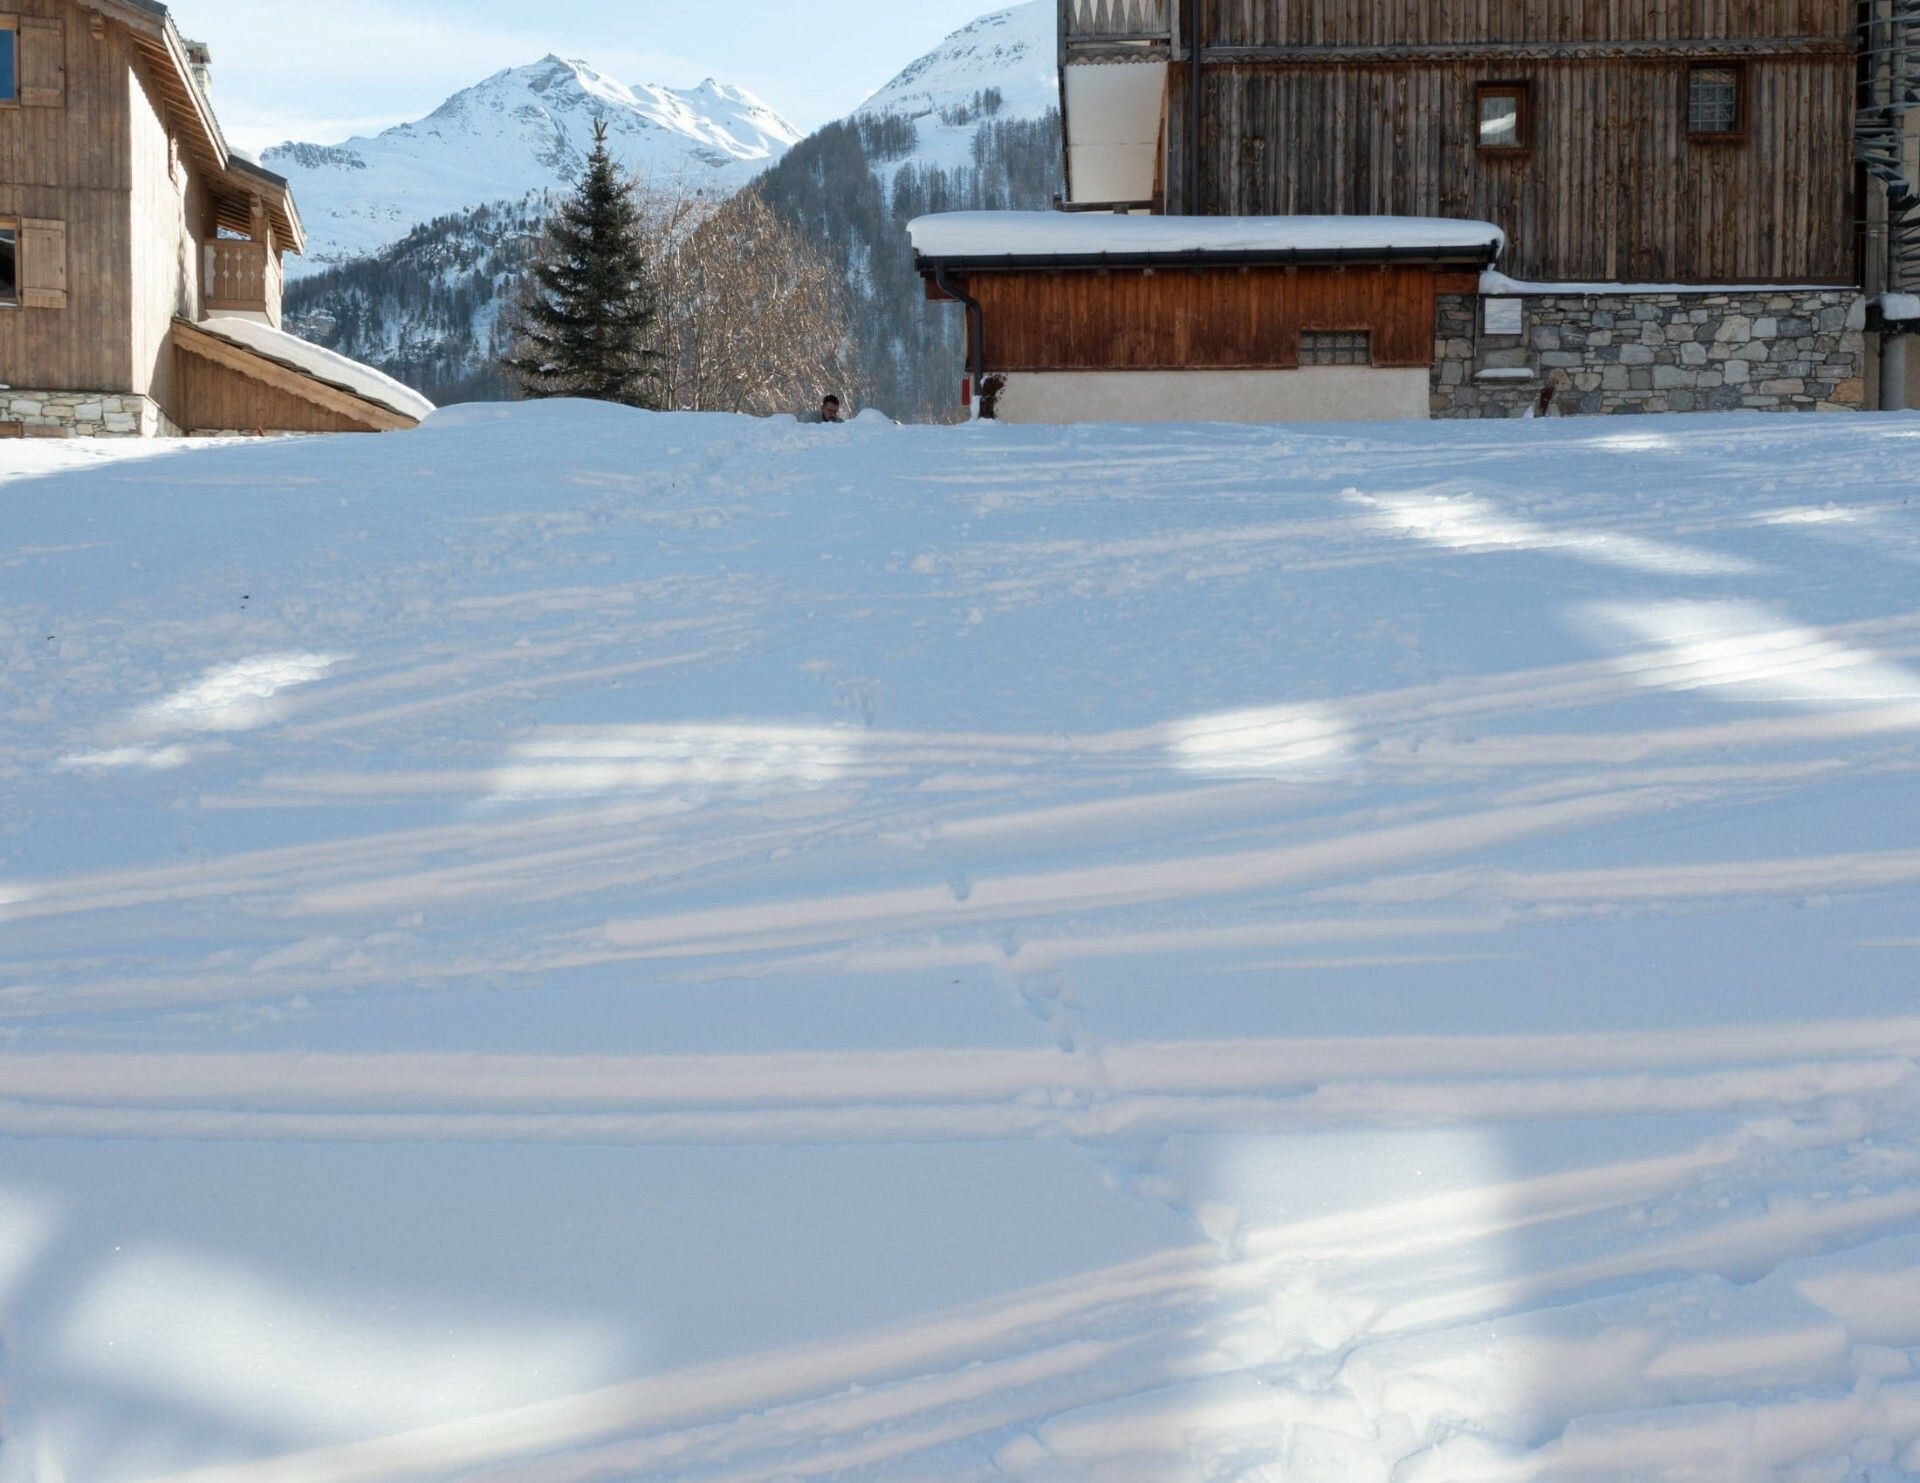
x=1319 y=394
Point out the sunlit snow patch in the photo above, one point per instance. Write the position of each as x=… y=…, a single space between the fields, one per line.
x=1754 y=652
x=222 y=1342
x=644 y=759
x=149 y=759
x=1465 y=522
x=1267 y=740
x=233 y=697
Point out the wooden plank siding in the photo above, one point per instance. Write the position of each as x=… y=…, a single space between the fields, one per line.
x=1453 y=22
x=1331 y=107
x=224 y=388
x=69 y=161
x=1202 y=318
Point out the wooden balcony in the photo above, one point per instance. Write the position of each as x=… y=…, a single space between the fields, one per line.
x=1116 y=28
x=243 y=278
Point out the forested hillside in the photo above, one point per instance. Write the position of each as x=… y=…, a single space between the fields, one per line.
x=972 y=125
x=854 y=186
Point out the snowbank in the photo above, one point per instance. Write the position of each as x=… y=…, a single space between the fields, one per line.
x=975 y=235
x=1499 y=285
x=578 y=944
x=322 y=364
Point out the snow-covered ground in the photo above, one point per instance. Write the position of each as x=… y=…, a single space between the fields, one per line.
x=577 y=945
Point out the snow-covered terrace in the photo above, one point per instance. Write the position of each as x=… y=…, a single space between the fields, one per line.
x=985 y=239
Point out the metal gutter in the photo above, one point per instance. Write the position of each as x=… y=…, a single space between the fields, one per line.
x=976 y=323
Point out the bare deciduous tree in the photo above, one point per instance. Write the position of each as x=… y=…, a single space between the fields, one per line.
x=753 y=318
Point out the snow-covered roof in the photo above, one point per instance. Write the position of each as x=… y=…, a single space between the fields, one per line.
x=322 y=364
x=1501 y=286
x=986 y=236
x=1900 y=308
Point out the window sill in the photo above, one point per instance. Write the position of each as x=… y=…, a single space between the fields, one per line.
x=1505 y=151
x=1716 y=138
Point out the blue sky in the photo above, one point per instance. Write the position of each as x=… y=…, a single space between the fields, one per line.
x=323 y=69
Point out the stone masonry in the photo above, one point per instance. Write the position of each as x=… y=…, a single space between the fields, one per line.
x=83 y=414
x=1800 y=350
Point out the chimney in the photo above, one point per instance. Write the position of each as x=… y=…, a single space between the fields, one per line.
x=200 y=59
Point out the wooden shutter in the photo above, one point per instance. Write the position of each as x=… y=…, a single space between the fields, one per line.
x=43 y=264
x=43 y=63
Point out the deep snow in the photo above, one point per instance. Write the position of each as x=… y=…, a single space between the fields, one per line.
x=574 y=944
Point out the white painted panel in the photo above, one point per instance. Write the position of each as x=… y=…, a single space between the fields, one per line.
x=1113 y=115
x=1318 y=394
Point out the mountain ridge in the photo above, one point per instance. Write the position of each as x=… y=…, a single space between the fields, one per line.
x=971 y=124
x=521 y=130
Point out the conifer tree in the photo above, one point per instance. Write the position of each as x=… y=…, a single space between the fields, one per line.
x=588 y=312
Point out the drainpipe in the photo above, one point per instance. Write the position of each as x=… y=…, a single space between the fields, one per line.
x=976 y=330
x=1893 y=368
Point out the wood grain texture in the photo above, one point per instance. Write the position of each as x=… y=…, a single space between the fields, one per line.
x=223 y=387
x=1612 y=187
x=117 y=206
x=70 y=162
x=1220 y=319
x=1346 y=23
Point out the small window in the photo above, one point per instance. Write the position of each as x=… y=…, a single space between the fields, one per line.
x=1714 y=102
x=1504 y=316
x=1336 y=348
x=1502 y=117
x=9 y=65
x=9 y=263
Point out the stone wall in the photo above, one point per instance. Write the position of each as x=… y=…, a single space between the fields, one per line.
x=83 y=414
x=1802 y=350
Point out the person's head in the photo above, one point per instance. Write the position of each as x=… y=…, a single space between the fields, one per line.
x=830 y=408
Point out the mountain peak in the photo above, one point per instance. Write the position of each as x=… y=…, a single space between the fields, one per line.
x=523 y=130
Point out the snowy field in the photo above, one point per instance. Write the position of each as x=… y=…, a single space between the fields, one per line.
x=576 y=945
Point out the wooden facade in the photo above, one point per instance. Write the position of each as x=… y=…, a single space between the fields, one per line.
x=131 y=212
x=1369 y=107
x=234 y=390
x=1203 y=318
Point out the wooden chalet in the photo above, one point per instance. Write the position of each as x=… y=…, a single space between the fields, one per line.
x=1733 y=177
x=141 y=254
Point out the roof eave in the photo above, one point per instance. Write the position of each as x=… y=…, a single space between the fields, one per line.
x=154 y=24
x=1478 y=257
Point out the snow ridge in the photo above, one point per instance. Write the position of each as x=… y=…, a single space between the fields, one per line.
x=524 y=129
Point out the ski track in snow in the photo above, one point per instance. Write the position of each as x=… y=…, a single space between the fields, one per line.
x=579 y=945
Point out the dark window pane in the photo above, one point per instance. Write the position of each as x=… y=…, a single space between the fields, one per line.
x=9 y=264
x=1336 y=348
x=1499 y=120
x=9 y=72
x=1714 y=101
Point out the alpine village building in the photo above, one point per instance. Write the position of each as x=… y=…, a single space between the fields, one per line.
x=140 y=254
x=1328 y=209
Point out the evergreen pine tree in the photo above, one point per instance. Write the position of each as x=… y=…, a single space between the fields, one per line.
x=588 y=313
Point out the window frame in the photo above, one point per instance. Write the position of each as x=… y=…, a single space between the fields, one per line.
x=1522 y=94
x=10 y=31
x=10 y=225
x=1363 y=331
x=1737 y=69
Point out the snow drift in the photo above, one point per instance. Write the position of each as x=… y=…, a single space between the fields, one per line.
x=574 y=944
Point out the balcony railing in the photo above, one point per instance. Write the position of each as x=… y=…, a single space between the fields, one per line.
x=243 y=278
x=1117 y=22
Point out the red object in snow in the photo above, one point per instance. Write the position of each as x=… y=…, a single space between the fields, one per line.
x=966 y=391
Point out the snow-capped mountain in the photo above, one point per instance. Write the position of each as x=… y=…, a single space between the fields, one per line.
x=522 y=130
x=972 y=124
x=1012 y=54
